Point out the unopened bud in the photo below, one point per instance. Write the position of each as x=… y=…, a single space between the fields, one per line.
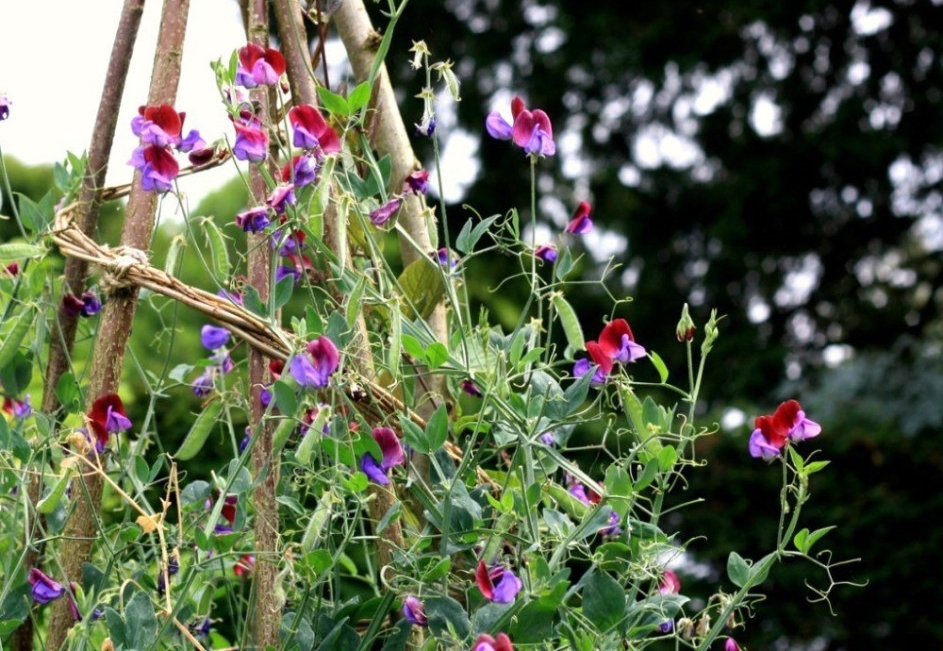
x=703 y=626
x=686 y=328
x=710 y=332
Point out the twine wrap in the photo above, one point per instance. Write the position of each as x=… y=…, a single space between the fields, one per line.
x=115 y=277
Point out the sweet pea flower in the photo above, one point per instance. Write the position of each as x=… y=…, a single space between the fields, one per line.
x=253 y=220
x=311 y=130
x=392 y=452
x=470 y=388
x=445 y=258
x=382 y=214
x=788 y=423
x=601 y=364
x=259 y=66
x=546 y=252
x=4 y=107
x=670 y=583
x=85 y=305
x=417 y=182
x=213 y=337
x=530 y=130
x=17 y=408
x=158 y=167
x=580 y=223
x=244 y=565
x=44 y=588
x=414 y=611
x=282 y=196
x=302 y=170
x=158 y=125
x=617 y=342
x=13 y=268
x=251 y=140
x=315 y=368
x=284 y=271
x=497 y=583
x=107 y=417
x=487 y=643
x=731 y=645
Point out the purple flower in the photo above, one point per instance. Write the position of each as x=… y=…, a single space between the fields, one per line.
x=415 y=611
x=44 y=588
x=426 y=127
x=469 y=387
x=281 y=197
x=315 y=368
x=485 y=642
x=546 y=252
x=234 y=297
x=547 y=438
x=382 y=214
x=223 y=360
x=251 y=140
x=158 y=125
x=445 y=258
x=253 y=220
x=18 y=408
x=302 y=170
x=213 y=337
x=4 y=107
x=392 y=452
x=90 y=304
x=173 y=566
x=497 y=583
x=244 y=443
x=193 y=142
x=157 y=165
x=580 y=223
x=666 y=626
x=203 y=384
x=417 y=182
x=531 y=130
x=281 y=271
x=731 y=645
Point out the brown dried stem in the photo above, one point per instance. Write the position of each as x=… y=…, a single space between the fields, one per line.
x=110 y=344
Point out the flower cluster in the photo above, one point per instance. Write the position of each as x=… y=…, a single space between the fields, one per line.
x=315 y=368
x=259 y=66
x=773 y=432
x=160 y=128
x=616 y=344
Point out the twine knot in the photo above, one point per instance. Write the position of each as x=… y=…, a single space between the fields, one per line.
x=116 y=270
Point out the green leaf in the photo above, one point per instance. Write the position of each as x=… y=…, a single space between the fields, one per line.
x=200 y=431
x=804 y=540
x=815 y=466
x=437 y=429
x=469 y=235
x=445 y=614
x=436 y=355
x=283 y=291
x=413 y=348
x=415 y=436
x=12 y=340
x=359 y=97
x=603 y=601
x=648 y=475
x=737 y=570
x=659 y=365
x=355 y=301
x=285 y=398
x=334 y=103
x=141 y=622
x=51 y=500
x=422 y=285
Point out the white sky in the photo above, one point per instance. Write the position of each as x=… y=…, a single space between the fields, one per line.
x=53 y=56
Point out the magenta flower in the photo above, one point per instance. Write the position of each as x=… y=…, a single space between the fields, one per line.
x=85 y=305
x=259 y=67
x=470 y=388
x=599 y=361
x=731 y=645
x=158 y=125
x=4 y=107
x=670 y=583
x=580 y=223
x=44 y=588
x=618 y=343
x=157 y=165
x=497 y=583
x=253 y=220
x=382 y=214
x=546 y=252
x=417 y=182
x=311 y=130
x=251 y=140
x=531 y=130
x=414 y=611
x=788 y=423
x=392 y=452
x=213 y=337
x=485 y=642
x=17 y=408
x=445 y=258
x=282 y=196
x=315 y=368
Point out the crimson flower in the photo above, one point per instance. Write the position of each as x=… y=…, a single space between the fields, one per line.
x=787 y=423
x=616 y=344
x=107 y=417
x=530 y=130
x=315 y=368
x=311 y=130
x=580 y=223
x=251 y=140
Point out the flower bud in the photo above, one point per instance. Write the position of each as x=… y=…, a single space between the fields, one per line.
x=686 y=328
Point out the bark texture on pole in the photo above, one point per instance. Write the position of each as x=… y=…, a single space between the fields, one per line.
x=267 y=616
x=115 y=328
x=76 y=270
